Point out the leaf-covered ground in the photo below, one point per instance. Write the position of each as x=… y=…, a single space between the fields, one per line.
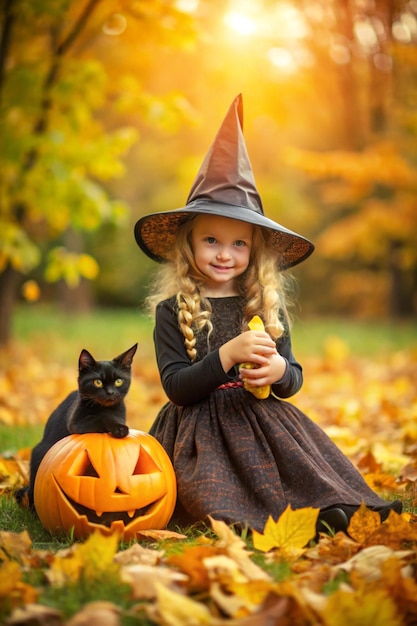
x=369 y=408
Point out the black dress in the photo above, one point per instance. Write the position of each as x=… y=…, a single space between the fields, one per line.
x=237 y=458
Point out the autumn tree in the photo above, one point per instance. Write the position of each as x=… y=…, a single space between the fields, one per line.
x=367 y=182
x=57 y=148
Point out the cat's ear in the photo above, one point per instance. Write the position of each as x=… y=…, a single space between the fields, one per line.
x=86 y=360
x=125 y=359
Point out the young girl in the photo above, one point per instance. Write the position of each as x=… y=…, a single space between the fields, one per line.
x=237 y=458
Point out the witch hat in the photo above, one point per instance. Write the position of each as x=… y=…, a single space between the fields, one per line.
x=224 y=186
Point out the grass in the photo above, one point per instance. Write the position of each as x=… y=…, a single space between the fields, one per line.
x=104 y=332
x=18 y=437
x=111 y=331
x=14 y=518
x=367 y=338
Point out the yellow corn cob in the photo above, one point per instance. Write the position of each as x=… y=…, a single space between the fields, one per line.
x=259 y=392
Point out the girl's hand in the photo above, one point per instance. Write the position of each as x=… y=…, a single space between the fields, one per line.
x=265 y=375
x=251 y=346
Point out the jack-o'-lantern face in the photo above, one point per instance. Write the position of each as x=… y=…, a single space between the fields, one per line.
x=95 y=481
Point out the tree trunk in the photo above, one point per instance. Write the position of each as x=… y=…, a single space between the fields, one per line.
x=78 y=299
x=401 y=304
x=9 y=284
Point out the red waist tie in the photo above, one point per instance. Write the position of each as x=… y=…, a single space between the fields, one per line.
x=232 y=385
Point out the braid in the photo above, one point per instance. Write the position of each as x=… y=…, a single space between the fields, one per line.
x=186 y=306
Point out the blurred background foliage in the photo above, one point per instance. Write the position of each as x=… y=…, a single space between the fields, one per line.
x=107 y=108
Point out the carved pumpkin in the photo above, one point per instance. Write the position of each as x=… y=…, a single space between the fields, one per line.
x=95 y=481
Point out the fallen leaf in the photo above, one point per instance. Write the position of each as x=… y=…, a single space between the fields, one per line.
x=399 y=580
x=395 y=532
x=35 y=615
x=363 y=523
x=13 y=591
x=15 y=546
x=91 y=558
x=368 y=563
x=13 y=475
x=159 y=535
x=366 y=607
x=237 y=598
x=274 y=611
x=191 y=562
x=293 y=530
x=97 y=614
x=138 y=554
x=369 y=464
x=236 y=548
x=175 y=609
x=143 y=579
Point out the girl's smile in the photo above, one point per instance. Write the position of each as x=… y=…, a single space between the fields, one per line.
x=221 y=248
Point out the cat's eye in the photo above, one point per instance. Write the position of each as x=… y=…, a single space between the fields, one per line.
x=119 y=382
x=98 y=382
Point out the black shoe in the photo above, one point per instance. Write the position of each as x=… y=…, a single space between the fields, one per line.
x=331 y=521
x=384 y=511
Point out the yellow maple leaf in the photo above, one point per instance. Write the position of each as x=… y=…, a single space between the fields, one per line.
x=91 y=558
x=97 y=553
x=293 y=530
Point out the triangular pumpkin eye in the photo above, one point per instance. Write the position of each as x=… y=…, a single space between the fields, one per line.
x=145 y=464
x=84 y=467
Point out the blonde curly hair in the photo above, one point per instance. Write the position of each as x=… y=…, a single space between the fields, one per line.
x=264 y=287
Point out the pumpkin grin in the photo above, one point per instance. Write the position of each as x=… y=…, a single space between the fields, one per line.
x=106 y=518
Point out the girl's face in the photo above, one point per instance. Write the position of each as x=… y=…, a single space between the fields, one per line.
x=221 y=248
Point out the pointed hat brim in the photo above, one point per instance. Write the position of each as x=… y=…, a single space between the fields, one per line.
x=225 y=187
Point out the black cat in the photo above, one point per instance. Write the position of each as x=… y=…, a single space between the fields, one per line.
x=97 y=407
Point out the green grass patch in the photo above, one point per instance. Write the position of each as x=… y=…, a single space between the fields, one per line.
x=107 y=332
x=103 y=588
x=369 y=338
x=14 y=518
x=15 y=438
x=61 y=336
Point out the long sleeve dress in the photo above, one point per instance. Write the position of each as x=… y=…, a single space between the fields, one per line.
x=238 y=458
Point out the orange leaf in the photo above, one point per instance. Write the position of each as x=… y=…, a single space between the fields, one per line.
x=396 y=532
x=363 y=523
x=15 y=546
x=191 y=562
